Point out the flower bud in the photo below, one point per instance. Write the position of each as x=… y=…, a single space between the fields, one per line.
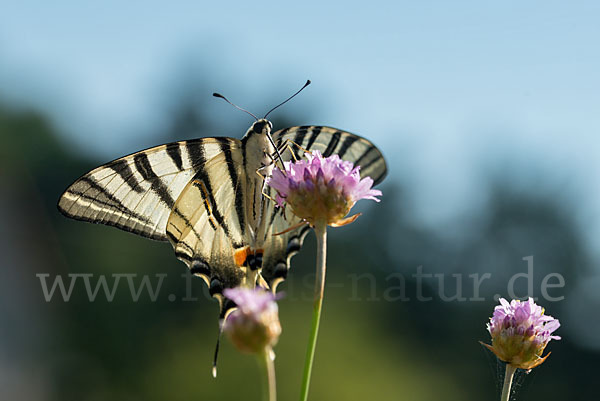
x=520 y=332
x=254 y=326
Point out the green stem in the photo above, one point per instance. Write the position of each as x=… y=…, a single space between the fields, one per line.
x=321 y=233
x=508 y=378
x=270 y=387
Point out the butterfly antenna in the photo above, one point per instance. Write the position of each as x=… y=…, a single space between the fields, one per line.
x=288 y=99
x=234 y=105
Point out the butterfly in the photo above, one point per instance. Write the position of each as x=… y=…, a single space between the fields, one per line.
x=208 y=198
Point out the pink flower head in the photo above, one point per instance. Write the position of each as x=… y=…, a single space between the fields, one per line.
x=321 y=188
x=254 y=325
x=520 y=332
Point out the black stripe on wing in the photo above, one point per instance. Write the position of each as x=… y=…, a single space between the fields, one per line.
x=143 y=166
x=122 y=168
x=235 y=183
x=205 y=202
x=174 y=152
x=106 y=200
x=335 y=139
x=330 y=141
x=367 y=152
x=275 y=271
x=313 y=136
x=207 y=192
x=346 y=143
x=375 y=157
x=298 y=139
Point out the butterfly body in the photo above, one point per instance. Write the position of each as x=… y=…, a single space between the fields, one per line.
x=207 y=198
x=257 y=164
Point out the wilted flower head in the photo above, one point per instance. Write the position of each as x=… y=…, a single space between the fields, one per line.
x=322 y=189
x=520 y=331
x=254 y=326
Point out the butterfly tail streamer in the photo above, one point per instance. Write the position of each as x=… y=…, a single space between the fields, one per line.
x=216 y=356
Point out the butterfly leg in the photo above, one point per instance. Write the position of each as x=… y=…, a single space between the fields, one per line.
x=287 y=145
x=274 y=157
x=264 y=186
x=304 y=151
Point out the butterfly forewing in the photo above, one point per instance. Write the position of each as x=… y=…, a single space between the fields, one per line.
x=137 y=192
x=330 y=141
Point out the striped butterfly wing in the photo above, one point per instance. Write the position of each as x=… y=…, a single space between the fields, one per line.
x=137 y=193
x=207 y=228
x=328 y=141
x=280 y=248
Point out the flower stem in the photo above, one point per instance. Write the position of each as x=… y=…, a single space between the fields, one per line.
x=321 y=234
x=267 y=362
x=508 y=378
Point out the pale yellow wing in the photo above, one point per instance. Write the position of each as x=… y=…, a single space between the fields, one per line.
x=206 y=226
x=136 y=193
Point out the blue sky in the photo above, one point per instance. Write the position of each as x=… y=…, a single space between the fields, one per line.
x=448 y=89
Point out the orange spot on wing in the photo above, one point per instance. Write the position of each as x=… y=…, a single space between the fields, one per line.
x=240 y=256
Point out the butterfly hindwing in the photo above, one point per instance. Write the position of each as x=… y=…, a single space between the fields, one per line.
x=206 y=224
x=281 y=245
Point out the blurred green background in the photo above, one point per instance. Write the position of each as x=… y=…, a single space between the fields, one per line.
x=502 y=168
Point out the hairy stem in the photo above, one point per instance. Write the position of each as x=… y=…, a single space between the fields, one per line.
x=321 y=233
x=508 y=378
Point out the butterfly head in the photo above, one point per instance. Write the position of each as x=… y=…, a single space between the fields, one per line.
x=260 y=130
x=261 y=126
x=259 y=145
